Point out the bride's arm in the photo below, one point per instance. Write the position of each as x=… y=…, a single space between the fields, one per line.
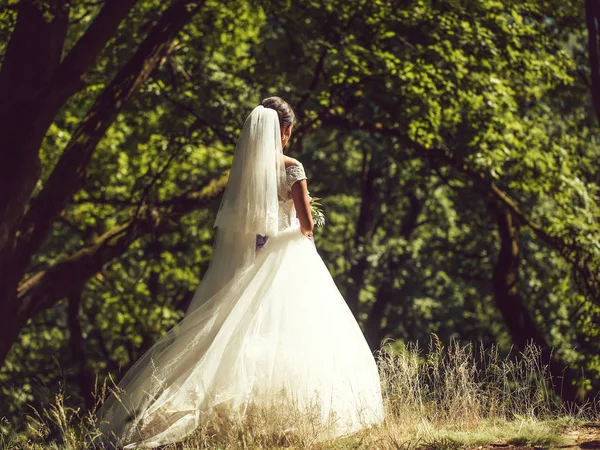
x=302 y=205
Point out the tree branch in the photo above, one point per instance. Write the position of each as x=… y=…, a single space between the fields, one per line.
x=578 y=257
x=223 y=137
x=68 y=77
x=45 y=288
x=71 y=170
x=315 y=81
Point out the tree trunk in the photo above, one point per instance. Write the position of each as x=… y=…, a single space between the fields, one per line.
x=70 y=171
x=364 y=232
x=34 y=50
x=387 y=294
x=32 y=55
x=373 y=332
x=10 y=327
x=85 y=378
x=519 y=322
x=34 y=84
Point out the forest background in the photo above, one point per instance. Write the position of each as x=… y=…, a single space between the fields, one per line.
x=454 y=144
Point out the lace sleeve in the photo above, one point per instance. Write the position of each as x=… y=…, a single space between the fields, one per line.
x=294 y=173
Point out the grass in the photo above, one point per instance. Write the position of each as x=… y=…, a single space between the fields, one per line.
x=442 y=398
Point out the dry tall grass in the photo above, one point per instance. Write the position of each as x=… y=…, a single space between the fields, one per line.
x=438 y=398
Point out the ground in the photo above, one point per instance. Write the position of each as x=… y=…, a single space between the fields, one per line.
x=586 y=436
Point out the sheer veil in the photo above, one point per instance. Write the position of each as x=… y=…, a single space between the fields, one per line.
x=250 y=204
x=142 y=408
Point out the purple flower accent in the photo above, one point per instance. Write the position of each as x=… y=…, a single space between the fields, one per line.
x=260 y=241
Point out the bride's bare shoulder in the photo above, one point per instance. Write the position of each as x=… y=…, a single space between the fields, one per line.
x=289 y=161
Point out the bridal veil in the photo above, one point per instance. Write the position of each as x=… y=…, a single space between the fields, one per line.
x=140 y=408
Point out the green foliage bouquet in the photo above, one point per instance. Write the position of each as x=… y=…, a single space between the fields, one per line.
x=316 y=209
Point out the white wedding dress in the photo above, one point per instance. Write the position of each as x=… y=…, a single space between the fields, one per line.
x=278 y=330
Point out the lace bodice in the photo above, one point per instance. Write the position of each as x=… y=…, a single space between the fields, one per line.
x=287 y=212
x=293 y=174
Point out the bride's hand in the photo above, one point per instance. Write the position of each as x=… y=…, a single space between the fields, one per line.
x=307 y=233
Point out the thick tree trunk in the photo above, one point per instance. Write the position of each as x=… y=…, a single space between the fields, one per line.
x=70 y=171
x=34 y=84
x=30 y=100
x=519 y=321
x=34 y=50
x=32 y=55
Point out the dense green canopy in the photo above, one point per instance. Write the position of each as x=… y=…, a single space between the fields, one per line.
x=454 y=145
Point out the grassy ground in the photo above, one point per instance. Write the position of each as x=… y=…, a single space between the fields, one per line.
x=442 y=398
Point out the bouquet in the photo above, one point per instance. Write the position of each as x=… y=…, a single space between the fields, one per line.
x=317 y=211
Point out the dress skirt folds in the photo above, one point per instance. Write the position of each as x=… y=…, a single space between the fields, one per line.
x=280 y=330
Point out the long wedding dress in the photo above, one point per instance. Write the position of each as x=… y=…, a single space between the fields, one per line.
x=267 y=323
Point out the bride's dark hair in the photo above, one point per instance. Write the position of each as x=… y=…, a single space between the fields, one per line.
x=284 y=110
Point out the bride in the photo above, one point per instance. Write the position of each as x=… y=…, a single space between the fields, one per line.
x=267 y=325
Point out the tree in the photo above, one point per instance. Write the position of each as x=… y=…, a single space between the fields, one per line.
x=479 y=93
x=420 y=124
x=26 y=122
